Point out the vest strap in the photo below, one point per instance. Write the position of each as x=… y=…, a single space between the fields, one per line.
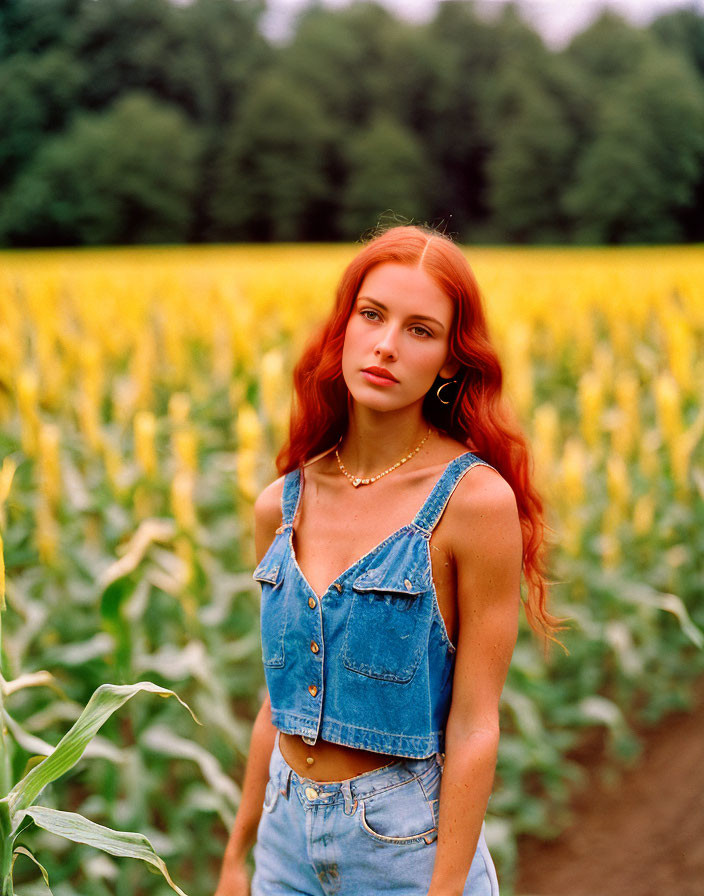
x=428 y=516
x=290 y=496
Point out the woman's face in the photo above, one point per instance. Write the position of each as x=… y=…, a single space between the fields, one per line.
x=397 y=337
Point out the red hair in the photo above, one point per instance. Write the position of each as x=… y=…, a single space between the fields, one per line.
x=479 y=416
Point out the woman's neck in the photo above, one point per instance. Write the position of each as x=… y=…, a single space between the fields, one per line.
x=375 y=441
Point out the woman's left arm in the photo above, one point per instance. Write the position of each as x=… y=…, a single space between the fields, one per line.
x=487 y=547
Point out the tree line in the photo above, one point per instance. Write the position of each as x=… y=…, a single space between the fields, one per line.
x=131 y=121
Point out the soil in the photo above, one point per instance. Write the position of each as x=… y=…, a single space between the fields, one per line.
x=643 y=835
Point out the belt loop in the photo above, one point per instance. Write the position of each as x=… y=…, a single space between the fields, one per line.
x=350 y=801
x=285 y=783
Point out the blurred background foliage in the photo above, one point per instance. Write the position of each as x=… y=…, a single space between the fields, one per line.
x=130 y=121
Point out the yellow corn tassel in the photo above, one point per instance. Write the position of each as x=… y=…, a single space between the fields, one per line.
x=185 y=448
x=575 y=465
x=2 y=574
x=27 y=400
x=182 y=504
x=667 y=403
x=179 y=408
x=617 y=482
x=47 y=532
x=223 y=349
x=249 y=440
x=680 y=348
x=49 y=467
x=143 y=503
x=271 y=382
x=519 y=368
x=625 y=434
x=681 y=450
x=590 y=407
x=7 y=472
x=649 y=457
x=644 y=514
x=144 y=441
x=143 y=363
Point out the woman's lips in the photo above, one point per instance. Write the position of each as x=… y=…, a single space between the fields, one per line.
x=379 y=376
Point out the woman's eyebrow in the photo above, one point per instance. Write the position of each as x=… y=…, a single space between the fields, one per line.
x=414 y=316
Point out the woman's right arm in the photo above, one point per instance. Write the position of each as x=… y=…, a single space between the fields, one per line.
x=234 y=880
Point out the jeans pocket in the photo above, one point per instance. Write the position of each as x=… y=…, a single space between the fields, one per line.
x=399 y=814
x=271 y=796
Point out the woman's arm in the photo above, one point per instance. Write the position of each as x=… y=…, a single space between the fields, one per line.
x=233 y=875
x=234 y=880
x=487 y=548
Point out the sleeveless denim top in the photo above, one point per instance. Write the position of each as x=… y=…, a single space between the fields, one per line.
x=369 y=664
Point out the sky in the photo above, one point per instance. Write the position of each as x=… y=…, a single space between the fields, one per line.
x=556 y=20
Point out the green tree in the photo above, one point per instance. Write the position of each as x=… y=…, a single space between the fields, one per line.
x=37 y=96
x=683 y=32
x=271 y=176
x=386 y=172
x=32 y=26
x=608 y=50
x=642 y=167
x=342 y=56
x=126 y=175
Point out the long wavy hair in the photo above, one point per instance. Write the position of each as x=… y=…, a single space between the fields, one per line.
x=477 y=415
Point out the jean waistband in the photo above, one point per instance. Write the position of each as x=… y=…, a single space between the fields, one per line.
x=351 y=789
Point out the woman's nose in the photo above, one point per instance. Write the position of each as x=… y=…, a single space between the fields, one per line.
x=387 y=346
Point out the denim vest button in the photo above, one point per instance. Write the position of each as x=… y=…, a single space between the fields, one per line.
x=313 y=690
x=311 y=603
x=314 y=647
x=408 y=584
x=337 y=585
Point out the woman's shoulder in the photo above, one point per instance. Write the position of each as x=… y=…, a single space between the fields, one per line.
x=481 y=491
x=484 y=504
x=267 y=507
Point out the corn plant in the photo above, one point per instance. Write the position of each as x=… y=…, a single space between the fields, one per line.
x=18 y=806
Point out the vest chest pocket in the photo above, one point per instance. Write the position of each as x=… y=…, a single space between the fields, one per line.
x=387 y=628
x=273 y=611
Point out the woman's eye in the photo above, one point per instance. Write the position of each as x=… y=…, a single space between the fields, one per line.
x=420 y=331
x=370 y=314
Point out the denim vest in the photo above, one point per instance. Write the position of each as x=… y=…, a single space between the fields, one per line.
x=370 y=663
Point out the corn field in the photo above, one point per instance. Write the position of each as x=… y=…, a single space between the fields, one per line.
x=143 y=396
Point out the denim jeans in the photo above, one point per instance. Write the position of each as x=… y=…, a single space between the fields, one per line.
x=371 y=834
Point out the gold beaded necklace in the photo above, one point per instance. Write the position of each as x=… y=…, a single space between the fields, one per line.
x=357 y=481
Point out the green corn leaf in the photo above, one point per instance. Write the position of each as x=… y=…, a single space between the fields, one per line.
x=148 y=531
x=26 y=852
x=99 y=747
x=103 y=703
x=81 y=830
x=31 y=680
x=160 y=739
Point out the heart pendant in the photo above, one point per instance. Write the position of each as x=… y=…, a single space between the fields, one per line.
x=356 y=482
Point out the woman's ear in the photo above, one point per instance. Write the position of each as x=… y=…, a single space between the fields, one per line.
x=450 y=368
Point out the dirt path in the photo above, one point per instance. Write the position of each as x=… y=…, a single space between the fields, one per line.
x=645 y=837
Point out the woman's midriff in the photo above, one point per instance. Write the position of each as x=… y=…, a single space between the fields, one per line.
x=331 y=762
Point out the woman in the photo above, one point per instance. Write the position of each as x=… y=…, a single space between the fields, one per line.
x=390 y=556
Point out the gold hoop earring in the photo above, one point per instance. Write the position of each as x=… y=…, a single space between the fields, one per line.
x=439 y=390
